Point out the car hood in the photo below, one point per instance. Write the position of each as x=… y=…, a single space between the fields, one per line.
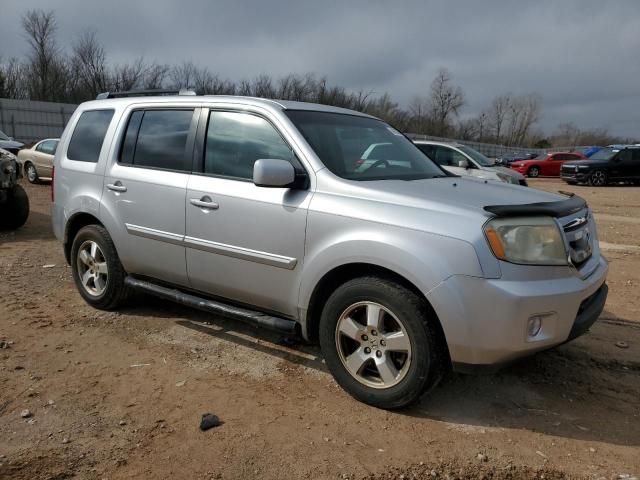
x=462 y=195
x=587 y=162
x=10 y=144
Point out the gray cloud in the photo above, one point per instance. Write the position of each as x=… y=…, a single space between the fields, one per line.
x=580 y=56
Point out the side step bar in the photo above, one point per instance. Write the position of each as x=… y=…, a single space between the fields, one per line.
x=252 y=317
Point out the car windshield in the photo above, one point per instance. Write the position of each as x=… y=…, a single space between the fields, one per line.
x=541 y=156
x=604 y=154
x=4 y=136
x=361 y=148
x=477 y=156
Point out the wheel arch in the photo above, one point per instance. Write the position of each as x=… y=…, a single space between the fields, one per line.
x=348 y=271
x=73 y=226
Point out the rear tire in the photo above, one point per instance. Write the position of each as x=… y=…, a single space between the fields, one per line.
x=97 y=271
x=385 y=359
x=15 y=211
x=598 y=178
x=533 y=172
x=31 y=173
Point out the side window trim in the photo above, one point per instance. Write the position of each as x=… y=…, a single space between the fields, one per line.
x=199 y=150
x=189 y=144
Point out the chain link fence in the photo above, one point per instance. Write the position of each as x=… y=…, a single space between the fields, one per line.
x=29 y=121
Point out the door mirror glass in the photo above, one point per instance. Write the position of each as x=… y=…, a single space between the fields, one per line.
x=463 y=163
x=269 y=172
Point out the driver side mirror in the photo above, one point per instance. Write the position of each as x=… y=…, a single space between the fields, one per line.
x=273 y=173
x=463 y=163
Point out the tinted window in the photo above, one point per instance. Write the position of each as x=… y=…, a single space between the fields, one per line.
x=236 y=140
x=447 y=157
x=48 y=147
x=162 y=138
x=340 y=141
x=130 y=137
x=88 y=136
x=426 y=149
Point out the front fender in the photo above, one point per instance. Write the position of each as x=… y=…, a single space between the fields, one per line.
x=423 y=259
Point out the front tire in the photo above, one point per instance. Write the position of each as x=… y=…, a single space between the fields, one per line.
x=97 y=271
x=31 y=173
x=533 y=172
x=15 y=210
x=598 y=179
x=380 y=342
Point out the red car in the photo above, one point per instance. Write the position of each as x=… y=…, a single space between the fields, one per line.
x=547 y=164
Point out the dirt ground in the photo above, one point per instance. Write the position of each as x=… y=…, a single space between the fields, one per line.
x=120 y=395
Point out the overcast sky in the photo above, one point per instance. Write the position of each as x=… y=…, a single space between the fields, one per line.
x=581 y=56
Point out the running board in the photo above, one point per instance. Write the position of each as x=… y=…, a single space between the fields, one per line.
x=252 y=317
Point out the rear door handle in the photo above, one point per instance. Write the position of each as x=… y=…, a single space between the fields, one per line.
x=117 y=187
x=204 y=202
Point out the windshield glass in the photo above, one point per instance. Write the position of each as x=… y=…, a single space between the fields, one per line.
x=477 y=156
x=542 y=156
x=360 y=148
x=3 y=136
x=604 y=154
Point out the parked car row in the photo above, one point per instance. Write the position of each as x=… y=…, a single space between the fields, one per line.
x=545 y=164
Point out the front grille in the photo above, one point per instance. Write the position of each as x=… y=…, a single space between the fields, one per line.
x=569 y=169
x=578 y=235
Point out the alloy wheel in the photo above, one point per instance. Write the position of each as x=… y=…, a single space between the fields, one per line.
x=373 y=345
x=534 y=172
x=92 y=268
x=31 y=173
x=598 y=178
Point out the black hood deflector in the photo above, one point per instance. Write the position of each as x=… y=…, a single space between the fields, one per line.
x=558 y=209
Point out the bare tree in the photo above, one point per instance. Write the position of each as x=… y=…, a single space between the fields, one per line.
x=127 y=76
x=155 y=76
x=12 y=79
x=446 y=100
x=46 y=68
x=497 y=114
x=522 y=113
x=89 y=61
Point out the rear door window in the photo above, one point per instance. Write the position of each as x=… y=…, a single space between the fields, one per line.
x=88 y=136
x=157 y=139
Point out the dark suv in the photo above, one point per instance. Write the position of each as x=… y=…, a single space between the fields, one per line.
x=610 y=164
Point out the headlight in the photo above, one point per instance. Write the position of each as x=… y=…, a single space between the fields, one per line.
x=504 y=177
x=527 y=240
x=517 y=165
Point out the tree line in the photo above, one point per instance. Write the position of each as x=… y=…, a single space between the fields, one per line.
x=51 y=73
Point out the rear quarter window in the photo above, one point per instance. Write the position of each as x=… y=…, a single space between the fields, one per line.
x=88 y=136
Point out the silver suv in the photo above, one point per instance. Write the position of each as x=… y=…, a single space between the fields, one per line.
x=261 y=210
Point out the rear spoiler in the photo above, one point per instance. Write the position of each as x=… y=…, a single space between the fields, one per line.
x=561 y=208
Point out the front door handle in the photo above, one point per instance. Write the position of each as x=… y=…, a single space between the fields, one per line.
x=117 y=187
x=204 y=202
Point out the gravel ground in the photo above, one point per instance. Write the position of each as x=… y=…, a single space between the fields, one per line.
x=121 y=394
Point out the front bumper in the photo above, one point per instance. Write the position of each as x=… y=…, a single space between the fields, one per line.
x=485 y=320
x=576 y=177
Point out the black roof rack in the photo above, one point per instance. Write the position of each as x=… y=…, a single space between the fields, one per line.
x=144 y=93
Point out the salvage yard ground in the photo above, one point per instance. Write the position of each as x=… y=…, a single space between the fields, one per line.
x=120 y=395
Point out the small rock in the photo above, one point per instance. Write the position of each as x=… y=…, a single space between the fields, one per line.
x=208 y=421
x=622 y=344
x=541 y=454
x=181 y=383
x=26 y=413
x=326 y=439
x=482 y=457
x=51 y=402
x=65 y=440
x=122 y=422
x=434 y=473
x=49 y=265
x=592 y=450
